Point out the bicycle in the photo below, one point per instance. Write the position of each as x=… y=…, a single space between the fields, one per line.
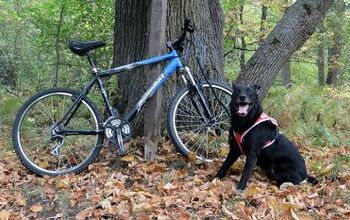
x=60 y=131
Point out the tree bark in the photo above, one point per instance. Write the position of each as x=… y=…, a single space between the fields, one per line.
x=263 y=19
x=291 y=32
x=153 y=110
x=334 y=52
x=57 y=45
x=286 y=80
x=208 y=18
x=320 y=61
x=131 y=43
x=243 y=43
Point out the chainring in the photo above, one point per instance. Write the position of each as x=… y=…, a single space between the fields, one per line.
x=112 y=125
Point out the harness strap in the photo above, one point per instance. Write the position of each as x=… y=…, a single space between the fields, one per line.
x=262 y=118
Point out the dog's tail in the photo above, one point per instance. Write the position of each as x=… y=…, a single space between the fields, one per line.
x=312 y=180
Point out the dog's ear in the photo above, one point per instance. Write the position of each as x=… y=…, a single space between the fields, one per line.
x=256 y=87
x=234 y=86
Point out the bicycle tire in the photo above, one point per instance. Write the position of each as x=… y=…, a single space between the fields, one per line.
x=31 y=133
x=183 y=116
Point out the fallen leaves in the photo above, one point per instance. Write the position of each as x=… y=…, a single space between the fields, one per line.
x=36 y=208
x=5 y=215
x=170 y=188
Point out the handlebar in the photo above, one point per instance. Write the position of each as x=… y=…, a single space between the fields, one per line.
x=179 y=43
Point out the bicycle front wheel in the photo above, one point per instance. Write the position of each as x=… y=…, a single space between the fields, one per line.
x=46 y=154
x=192 y=131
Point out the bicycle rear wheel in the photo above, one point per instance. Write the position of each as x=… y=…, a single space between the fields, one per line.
x=189 y=128
x=46 y=154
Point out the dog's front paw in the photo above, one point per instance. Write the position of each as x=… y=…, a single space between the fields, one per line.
x=220 y=174
x=241 y=187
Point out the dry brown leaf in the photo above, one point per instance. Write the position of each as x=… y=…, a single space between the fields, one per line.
x=272 y=203
x=184 y=215
x=84 y=214
x=229 y=214
x=328 y=169
x=105 y=204
x=43 y=164
x=20 y=201
x=142 y=207
x=36 y=208
x=128 y=158
x=169 y=186
x=224 y=149
x=5 y=215
x=192 y=157
x=62 y=183
x=305 y=216
x=252 y=190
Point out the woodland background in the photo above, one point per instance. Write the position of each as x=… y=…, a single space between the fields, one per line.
x=310 y=98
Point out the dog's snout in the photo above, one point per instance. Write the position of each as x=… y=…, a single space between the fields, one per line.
x=242 y=97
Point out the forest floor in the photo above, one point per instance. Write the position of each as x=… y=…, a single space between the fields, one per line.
x=173 y=187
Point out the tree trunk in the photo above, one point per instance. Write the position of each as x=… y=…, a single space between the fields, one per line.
x=334 y=52
x=286 y=80
x=131 y=43
x=208 y=18
x=57 y=45
x=243 y=43
x=320 y=58
x=263 y=23
x=291 y=32
x=153 y=110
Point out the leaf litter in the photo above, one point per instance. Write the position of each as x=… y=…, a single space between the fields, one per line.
x=172 y=187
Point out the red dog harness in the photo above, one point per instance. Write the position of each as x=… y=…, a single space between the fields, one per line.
x=262 y=118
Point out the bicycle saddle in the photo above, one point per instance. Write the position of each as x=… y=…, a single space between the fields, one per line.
x=82 y=47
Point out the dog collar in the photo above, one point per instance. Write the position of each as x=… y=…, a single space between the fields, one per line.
x=262 y=118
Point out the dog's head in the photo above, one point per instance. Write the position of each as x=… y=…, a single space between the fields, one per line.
x=245 y=99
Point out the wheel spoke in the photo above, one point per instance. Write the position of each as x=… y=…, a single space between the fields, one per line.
x=34 y=141
x=192 y=130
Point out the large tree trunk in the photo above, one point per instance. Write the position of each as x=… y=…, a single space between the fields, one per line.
x=131 y=43
x=208 y=18
x=291 y=32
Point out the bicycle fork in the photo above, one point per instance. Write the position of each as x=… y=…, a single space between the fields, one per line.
x=208 y=116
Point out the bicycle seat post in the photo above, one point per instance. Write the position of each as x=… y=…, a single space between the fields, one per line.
x=92 y=62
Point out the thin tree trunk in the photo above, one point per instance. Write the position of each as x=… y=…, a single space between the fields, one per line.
x=321 y=58
x=243 y=43
x=291 y=32
x=334 y=52
x=153 y=110
x=57 y=45
x=263 y=19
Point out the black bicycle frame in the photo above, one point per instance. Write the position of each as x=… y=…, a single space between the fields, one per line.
x=174 y=64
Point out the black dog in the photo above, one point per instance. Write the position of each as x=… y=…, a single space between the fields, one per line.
x=256 y=135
